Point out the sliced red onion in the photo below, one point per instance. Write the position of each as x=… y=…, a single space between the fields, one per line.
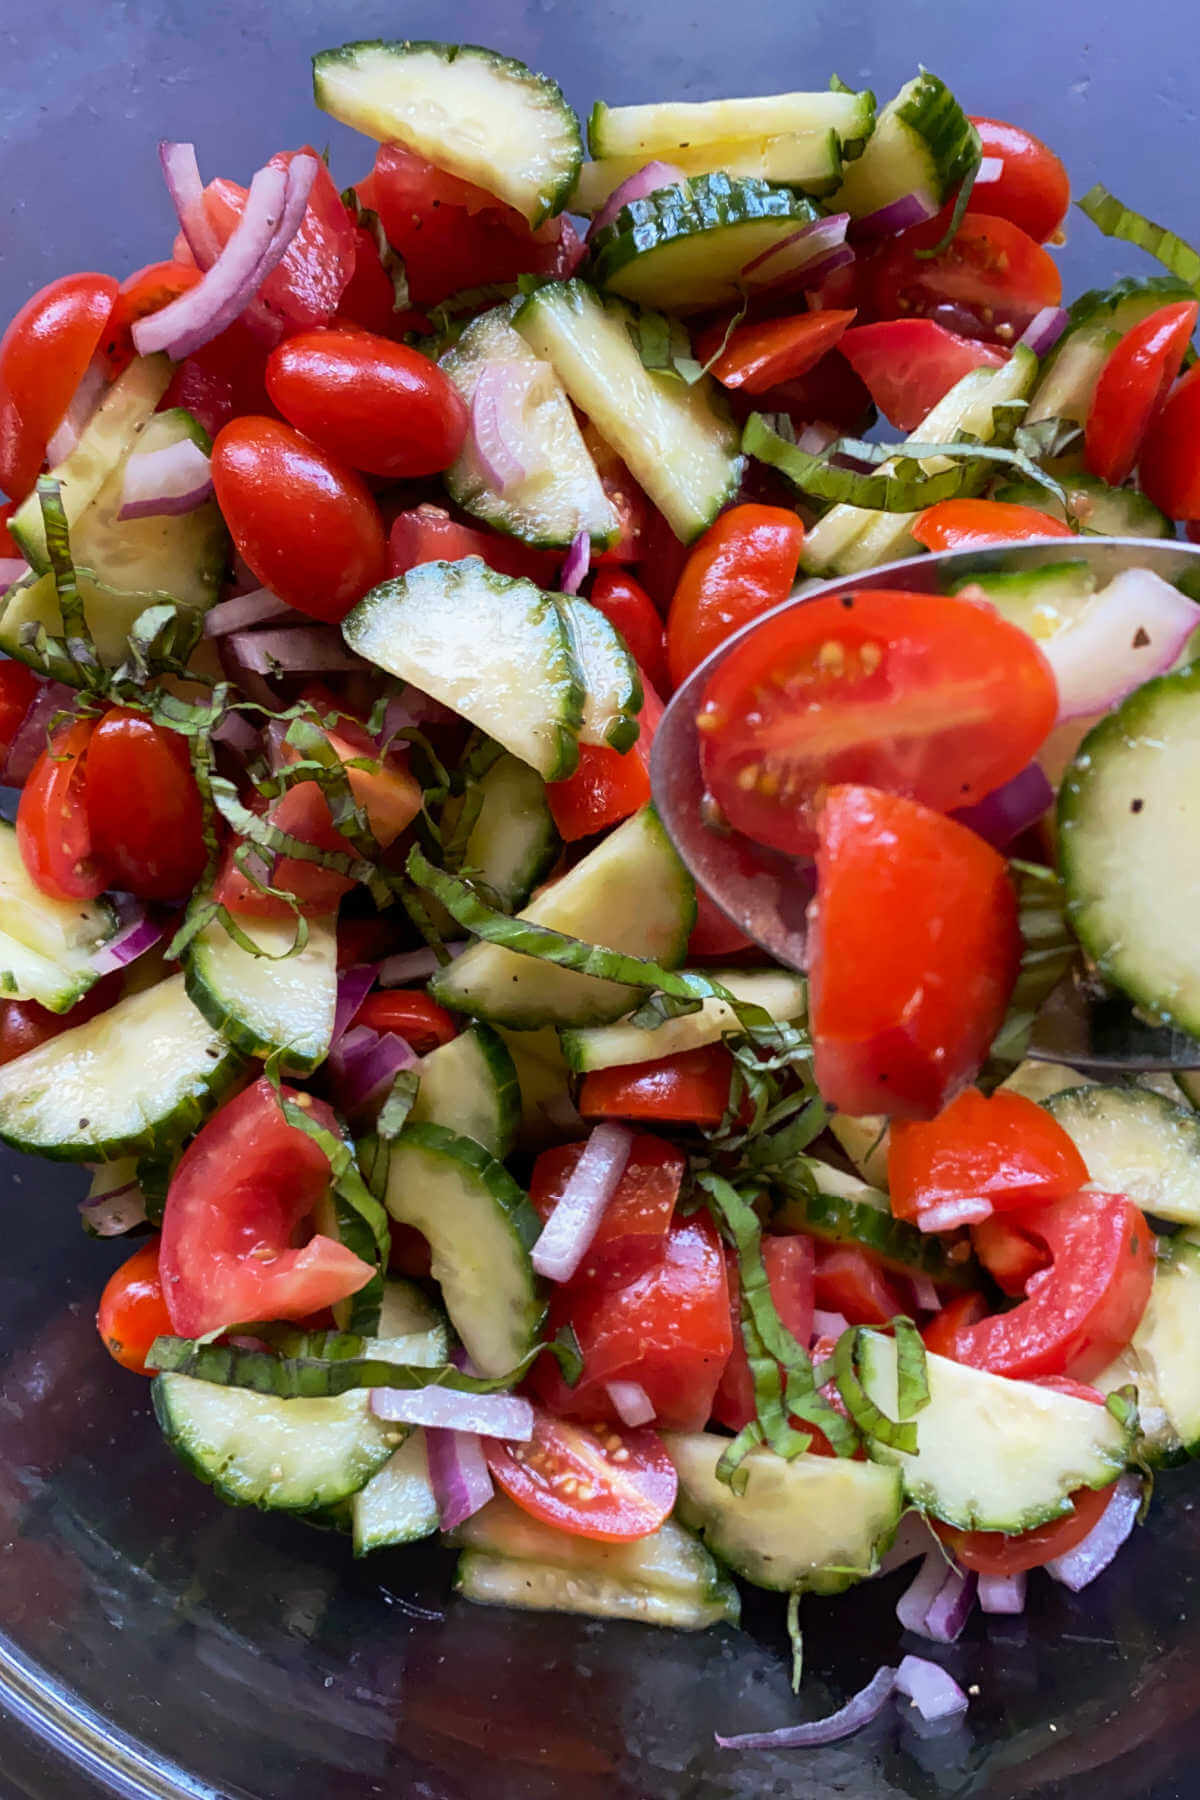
x=815 y=438
x=415 y=965
x=950 y=1214
x=913 y=1539
x=409 y=709
x=243 y=610
x=352 y=989
x=866 y=1705
x=31 y=737
x=575 y=563
x=572 y=1225
x=925 y=1294
x=176 y=479
x=650 y=179
x=829 y=1324
x=816 y=274
x=365 y=1063
x=1045 y=328
x=1004 y=814
x=939 y=1601
x=294 y=650
x=238 y=671
x=458 y=1472
x=501 y=1415
x=498 y=421
x=181 y=172
x=631 y=1402
x=116 y=1212
x=990 y=169
x=133 y=940
x=897 y=215
x=1090 y=1558
x=935 y=1694
x=83 y=404
x=817 y=238
x=238 y=734
x=1133 y=630
x=1003 y=1593
x=12 y=569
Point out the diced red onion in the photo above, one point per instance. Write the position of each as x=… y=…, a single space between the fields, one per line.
x=913 y=1539
x=500 y=1415
x=365 y=1063
x=293 y=650
x=575 y=563
x=829 y=1324
x=897 y=215
x=458 y=1473
x=1044 y=329
x=236 y=731
x=133 y=940
x=815 y=438
x=939 y=1601
x=817 y=238
x=1004 y=814
x=650 y=179
x=1133 y=630
x=116 y=1212
x=631 y=1402
x=1090 y=1558
x=353 y=986
x=239 y=672
x=410 y=708
x=83 y=404
x=572 y=1225
x=935 y=1694
x=925 y=1294
x=12 y=569
x=1003 y=1593
x=950 y=1214
x=176 y=479
x=415 y=965
x=244 y=610
x=498 y=421
x=866 y=1705
x=181 y=172
x=31 y=736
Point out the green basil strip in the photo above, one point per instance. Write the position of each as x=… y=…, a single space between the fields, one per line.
x=1116 y=220
x=729 y=1467
x=393 y=262
x=870 y=1419
x=769 y=1396
x=912 y=1370
x=79 y=647
x=819 y=477
x=316 y=1377
x=973 y=160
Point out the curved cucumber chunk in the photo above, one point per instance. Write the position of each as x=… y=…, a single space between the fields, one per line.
x=470 y=1086
x=783 y=996
x=815 y=1524
x=1136 y=1142
x=111 y=614
x=412 y=1327
x=46 y=945
x=1100 y=509
x=864 y=1138
x=659 y=130
x=631 y=894
x=548 y=1115
x=1042 y=601
x=272 y=1002
x=993 y=1454
x=494 y=650
x=811 y=160
x=845 y=1211
x=1163 y=1360
x=923 y=143
x=398 y=1505
x=612 y=684
x=514 y=842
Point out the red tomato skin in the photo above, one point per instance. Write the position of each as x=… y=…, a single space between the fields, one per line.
x=908 y=365
x=429 y=534
x=225 y=379
x=1011 y=1257
x=607 y=785
x=19 y=687
x=906 y=993
x=24 y=1024
x=43 y=356
x=1133 y=385
x=940 y=1332
x=974 y=524
x=1085 y=1307
x=144 y=808
x=369 y=297
x=53 y=833
x=1004 y=1149
x=713 y=935
x=1034 y=189
x=993 y=276
x=305 y=525
x=388 y=794
x=243 y=1186
x=660 y=561
x=146 y=291
x=610 y=1484
x=305 y=287
x=132 y=1309
x=411 y=1015
x=631 y=1236
x=302 y=812
x=831 y=393
x=744 y=565
x=789 y=1263
x=758 y=356
x=848 y=1280
x=1169 y=470
x=377 y=406
x=689 y=1088
x=996 y=1553
x=627 y=605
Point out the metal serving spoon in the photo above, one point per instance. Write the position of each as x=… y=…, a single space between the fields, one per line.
x=765 y=893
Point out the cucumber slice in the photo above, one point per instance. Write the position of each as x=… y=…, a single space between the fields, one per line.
x=548 y=1115
x=1100 y=509
x=1129 y=854
x=678 y=442
x=664 y=127
x=46 y=946
x=864 y=1138
x=1157 y=1443
x=110 y=613
x=140 y=1076
x=104 y=443
x=494 y=650
x=1037 y=1081
x=481 y=1229
x=612 y=682
x=631 y=894
x=993 y=1454
x=273 y=1003
x=280 y=1455
x=779 y=993
x=700 y=244
x=1099 y=319
x=816 y=1524
x=1042 y=601
x=412 y=1327
x=1136 y=1142
x=514 y=842
x=810 y=160
x=1163 y=1356
x=864 y=1217
x=667 y=1578
x=560 y=493
x=923 y=144
x=397 y=1506
x=470 y=1086
x=486 y=118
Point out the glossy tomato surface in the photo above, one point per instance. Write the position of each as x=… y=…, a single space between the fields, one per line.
x=144 y=807
x=609 y=1482
x=133 y=1311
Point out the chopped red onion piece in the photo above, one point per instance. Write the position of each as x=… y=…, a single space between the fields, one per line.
x=866 y=1705
x=410 y=708
x=498 y=421
x=817 y=239
x=913 y=1539
x=294 y=650
x=176 y=479
x=990 y=169
x=1134 y=629
x=829 y=1324
x=897 y=215
x=415 y=965
x=952 y=1213
x=631 y=1402
x=116 y=1212
x=364 y=1065
x=650 y=179
x=181 y=172
x=925 y=1294
x=815 y=438
x=237 y=732
x=133 y=940
x=52 y=697
x=939 y=1601
x=1003 y=1593
x=352 y=989
x=1090 y=1558
x=83 y=404
x=575 y=563
x=243 y=610
x=12 y=569
x=934 y=1693
x=1044 y=329
x=814 y=275
x=501 y=1415
x=239 y=672
x=572 y=1225
x=459 y=1474
x=1007 y=811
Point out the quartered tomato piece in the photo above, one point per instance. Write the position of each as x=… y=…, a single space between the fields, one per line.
x=850 y=1281
x=225 y=379
x=1004 y=1151
x=996 y=1553
x=611 y=1483
x=627 y=605
x=43 y=356
x=608 y=785
x=369 y=297
x=1032 y=189
x=910 y=364
x=973 y=524
x=963 y=1309
x=54 y=833
x=305 y=287
x=1009 y=1255
x=689 y=1088
x=1169 y=470
x=992 y=277
x=146 y=291
x=429 y=534
x=759 y=355
x=743 y=566
x=1133 y=385
x=303 y=813
x=420 y=1021
x=632 y=1233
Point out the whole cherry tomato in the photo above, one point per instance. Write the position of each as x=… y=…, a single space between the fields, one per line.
x=144 y=807
x=43 y=356
x=1032 y=189
x=133 y=1311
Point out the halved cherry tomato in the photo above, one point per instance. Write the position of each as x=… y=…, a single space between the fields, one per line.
x=24 y=1024
x=992 y=275
x=369 y=297
x=225 y=379
x=789 y=1265
x=760 y=355
x=304 y=523
x=939 y=699
x=1009 y=1255
x=628 y=500
x=913 y=953
x=940 y=1331
x=1004 y=1150
x=1169 y=470
x=144 y=808
x=996 y=1553
x=1085 y=1307
x=1033 y=188
x=303 y=813
x=689 y=1088
x=305 y=287
x=661 y=559
x=146 y=291
x=133 y=1311
x=372 y=404
x=1133 y=385
x=611 y=1483
x=850 y=1281
x=429 y=534
x=608 y=785
x=243 y=1189
x=627 y=605
x=713 y=934
x=973 y=524
x=631 y=1236
x=411 y=1015
x=743 y=566
x=910 y=364
x=54 y=833
x=43 y=356
x=19 y=687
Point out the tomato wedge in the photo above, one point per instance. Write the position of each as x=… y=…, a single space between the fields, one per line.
x=789 y=1265
x=607 y=785
x=1033 y=189
x=973 y=524
x=627 y=605
x=243 y=1188
x=146 y=291
x=992 y=279
x=1133 y=384
x=942 y=1330
x=938 y=699
x=1010 y=1256
x=996 y=1553
x=743 y=566
x=429 y=534
x=1169 y=470
x=612 y=1483
x=689 y=1088
x=420 y=1021
x=54 y=834
x=132 y=1310
x=302 y=813
x=1005 y=1150
x=43 y=356
x=849 y=1280
x=305 y=287
x=631 y=1236
x=758 y=355
x=911 y=364
x=144 y=809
